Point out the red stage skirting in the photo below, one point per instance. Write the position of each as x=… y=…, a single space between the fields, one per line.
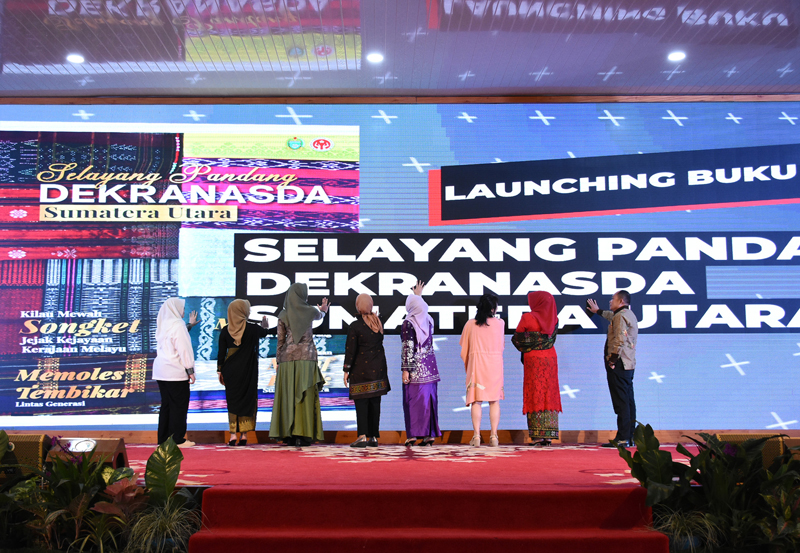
x=334 y=498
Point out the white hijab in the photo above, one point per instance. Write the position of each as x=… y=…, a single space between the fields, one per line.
x=169 y=323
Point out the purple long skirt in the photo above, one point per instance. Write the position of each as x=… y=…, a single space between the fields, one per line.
x=421 y=410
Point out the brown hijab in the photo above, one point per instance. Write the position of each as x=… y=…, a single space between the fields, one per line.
x=364 y=307
x=238 y=311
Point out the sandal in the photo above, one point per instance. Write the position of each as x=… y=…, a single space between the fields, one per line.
x=427 y=441
x=494 y=441
x=409 y=442
x=475 y=441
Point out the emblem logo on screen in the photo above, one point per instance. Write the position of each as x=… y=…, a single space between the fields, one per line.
x=322 y=144
x=295 y=143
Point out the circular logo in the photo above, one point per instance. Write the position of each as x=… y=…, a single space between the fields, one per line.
x=295 y=143
x=296 y=52
x=323 y=50
x=322 y=144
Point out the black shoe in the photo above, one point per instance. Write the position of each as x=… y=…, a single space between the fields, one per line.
x=427 y=441
x=302 y=442
x=612 y=443
x=242 y=442
x=232 y=443
x=373 y=442
x=409 y=442
x=360 y=443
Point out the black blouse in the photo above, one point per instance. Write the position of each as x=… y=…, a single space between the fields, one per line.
x=365 y=360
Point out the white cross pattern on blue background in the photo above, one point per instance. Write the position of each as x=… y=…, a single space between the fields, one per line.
x=83 y=115
x=382 y=115
x=657 y=377
x=293 y=115
x=785 y=69
x=417 y=164
x=732 y=117
x=780 y=424
x=466 y=74
x=611 y=118
x=787 y=117
x=610 y=73
x=569 y=391
x=540 y=115
x=194 y=115
x=733 y=363
x=540 y=74
x=464 y=115
x=675 y=118
x=674 y=72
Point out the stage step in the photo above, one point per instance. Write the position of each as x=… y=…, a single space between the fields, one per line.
x=245 y=519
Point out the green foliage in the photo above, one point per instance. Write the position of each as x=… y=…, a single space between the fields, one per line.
x=723 y=496
x=163 y=469
x=76 y=503
x=164 y=527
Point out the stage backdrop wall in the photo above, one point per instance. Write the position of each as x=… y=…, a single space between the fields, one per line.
x=106 y=211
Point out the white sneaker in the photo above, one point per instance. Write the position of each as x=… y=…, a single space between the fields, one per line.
x=186 y=443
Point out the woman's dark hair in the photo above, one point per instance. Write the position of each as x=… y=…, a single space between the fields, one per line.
x=486 y=305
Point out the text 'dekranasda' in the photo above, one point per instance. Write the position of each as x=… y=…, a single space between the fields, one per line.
x=161 y=213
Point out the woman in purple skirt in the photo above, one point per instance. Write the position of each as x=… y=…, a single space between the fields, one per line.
x=420 y=374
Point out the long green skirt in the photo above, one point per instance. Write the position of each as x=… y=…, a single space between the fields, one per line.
x=296 y=410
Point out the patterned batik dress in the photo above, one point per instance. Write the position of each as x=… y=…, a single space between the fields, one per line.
x=540 y=390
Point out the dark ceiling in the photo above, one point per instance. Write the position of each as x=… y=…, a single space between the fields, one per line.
x=430 y=47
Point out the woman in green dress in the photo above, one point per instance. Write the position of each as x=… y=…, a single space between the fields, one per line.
x=296 y=416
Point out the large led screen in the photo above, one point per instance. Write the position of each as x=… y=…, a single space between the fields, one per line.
x=108 y=210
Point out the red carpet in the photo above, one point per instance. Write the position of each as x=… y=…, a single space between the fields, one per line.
x=333 y=498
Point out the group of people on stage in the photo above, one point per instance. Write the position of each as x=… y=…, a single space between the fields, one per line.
x=296 y=414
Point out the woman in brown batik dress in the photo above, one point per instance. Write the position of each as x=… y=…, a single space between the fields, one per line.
x=365 y=371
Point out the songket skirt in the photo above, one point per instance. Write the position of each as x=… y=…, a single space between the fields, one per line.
x=421 y=410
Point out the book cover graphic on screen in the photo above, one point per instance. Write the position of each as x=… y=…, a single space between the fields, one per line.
x=53 y=182
x=277 y=181
x=609 y=185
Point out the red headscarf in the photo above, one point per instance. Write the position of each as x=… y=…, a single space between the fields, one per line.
x=543 y=309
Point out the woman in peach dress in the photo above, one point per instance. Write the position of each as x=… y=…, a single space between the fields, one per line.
x=482 y=343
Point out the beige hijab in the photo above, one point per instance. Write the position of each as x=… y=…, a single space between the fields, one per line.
x=238 y=311
x=364 y=307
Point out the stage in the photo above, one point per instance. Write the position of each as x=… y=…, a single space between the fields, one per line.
x=568 y=497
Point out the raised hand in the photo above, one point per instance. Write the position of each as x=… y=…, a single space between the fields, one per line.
x=418 y=288
x=324 y=306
